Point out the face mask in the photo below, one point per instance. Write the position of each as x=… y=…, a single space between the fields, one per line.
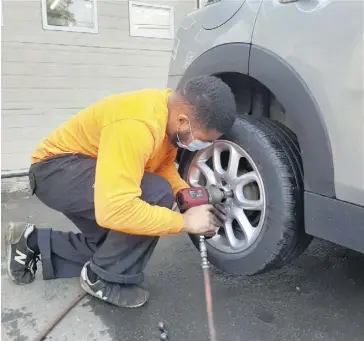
x=194 y=145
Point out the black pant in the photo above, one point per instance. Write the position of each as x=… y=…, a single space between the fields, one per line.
x=65 y=184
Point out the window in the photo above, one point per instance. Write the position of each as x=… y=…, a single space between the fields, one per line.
x=150 y=20
x=70 y=15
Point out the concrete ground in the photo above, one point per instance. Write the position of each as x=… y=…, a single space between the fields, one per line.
x=318 y=297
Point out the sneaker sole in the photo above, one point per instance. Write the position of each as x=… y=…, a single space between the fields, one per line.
x=87 y=289
x=9 y=240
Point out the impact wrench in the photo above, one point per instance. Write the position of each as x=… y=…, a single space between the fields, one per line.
x=193 y=197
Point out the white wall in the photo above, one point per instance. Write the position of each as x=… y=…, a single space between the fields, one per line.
x=47 y=76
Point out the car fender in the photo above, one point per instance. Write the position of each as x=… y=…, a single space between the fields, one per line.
x=293 y=94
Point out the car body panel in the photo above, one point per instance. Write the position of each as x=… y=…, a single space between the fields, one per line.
x=192 y=40
x=335 y=220
x=220 y=12
x=327 y=53
x=232 y=57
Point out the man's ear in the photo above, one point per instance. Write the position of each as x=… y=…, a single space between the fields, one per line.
x=182 y=120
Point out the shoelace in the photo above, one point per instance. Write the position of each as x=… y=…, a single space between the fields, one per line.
x=33 y=264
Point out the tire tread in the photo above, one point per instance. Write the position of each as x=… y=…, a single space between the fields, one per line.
x=289 y=246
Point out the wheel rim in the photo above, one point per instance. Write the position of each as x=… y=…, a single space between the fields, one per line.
x=230 y=167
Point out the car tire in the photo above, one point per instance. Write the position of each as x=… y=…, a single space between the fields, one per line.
x=276 y=154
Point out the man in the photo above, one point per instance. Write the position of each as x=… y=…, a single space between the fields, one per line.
x=110 y=169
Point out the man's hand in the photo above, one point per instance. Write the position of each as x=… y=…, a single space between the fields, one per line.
x=204 y=220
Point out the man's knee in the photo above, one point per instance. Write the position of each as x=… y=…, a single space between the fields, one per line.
x=167 y=194
x=157 y=190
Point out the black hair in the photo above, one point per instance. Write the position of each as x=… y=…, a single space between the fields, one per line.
x=213 y=102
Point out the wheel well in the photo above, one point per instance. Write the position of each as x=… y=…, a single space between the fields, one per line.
x=298 y=110
x=253 y=98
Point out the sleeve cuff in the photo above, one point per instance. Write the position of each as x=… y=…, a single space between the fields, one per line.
x=177 y=223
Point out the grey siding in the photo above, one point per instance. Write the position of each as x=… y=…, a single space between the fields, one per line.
x=47 y=76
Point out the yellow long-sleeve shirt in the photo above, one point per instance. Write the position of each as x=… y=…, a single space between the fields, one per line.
x=126 y=133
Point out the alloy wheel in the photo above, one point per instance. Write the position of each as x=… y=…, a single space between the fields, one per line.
x=230 y=167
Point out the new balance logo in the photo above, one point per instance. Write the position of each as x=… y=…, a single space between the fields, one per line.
x=20 y=258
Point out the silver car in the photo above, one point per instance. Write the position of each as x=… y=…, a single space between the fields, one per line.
x=295 y=158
